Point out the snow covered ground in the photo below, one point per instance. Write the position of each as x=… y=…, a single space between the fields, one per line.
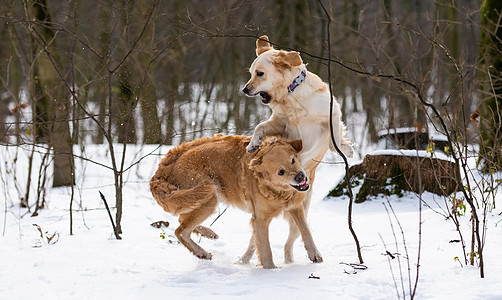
x=92 y=264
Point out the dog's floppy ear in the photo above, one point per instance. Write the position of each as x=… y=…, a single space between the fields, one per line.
x=297 y=145
x=288 y=59
x=262 y=45
x=254 y=163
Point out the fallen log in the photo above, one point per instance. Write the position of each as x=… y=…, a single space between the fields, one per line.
x=391 y=172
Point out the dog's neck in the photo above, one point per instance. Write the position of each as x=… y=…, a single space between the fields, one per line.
x=270 y=192
x=296 y=82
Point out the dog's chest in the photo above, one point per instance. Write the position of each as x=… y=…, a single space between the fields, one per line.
x=314 y=136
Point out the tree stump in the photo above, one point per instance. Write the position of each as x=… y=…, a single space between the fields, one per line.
x=391 y=172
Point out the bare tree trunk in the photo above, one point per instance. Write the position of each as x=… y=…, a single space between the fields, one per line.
x=151 y=124
x=4 y=100
x=126 y=120
x=146 y=89
x=54 y=105
x=170 y=103
x=491 y=85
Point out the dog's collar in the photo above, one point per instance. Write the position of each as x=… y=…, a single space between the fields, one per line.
x=297 y=81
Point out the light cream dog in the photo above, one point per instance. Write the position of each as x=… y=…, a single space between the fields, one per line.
x=194 y=176
x=300 y=103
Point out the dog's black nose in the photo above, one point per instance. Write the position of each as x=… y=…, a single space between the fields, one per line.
x=299 y=177
x=245 y=90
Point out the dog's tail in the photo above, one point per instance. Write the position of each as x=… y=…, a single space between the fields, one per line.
x=169 y=196
x=177 y=201
x=343 y=143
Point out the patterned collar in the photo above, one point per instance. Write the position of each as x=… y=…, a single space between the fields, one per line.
x=297 y=81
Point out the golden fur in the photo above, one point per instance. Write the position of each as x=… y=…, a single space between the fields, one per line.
x=194 y=176
x=301 y=114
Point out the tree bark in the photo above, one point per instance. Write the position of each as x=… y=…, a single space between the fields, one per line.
x=152 y=133
x=126 y=120
x=51 y=98
x=393 y=174
x=491 y=85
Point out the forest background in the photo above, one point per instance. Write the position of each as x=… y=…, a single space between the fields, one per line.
x=165 y=72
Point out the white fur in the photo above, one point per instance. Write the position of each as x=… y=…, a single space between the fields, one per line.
x=301 y=114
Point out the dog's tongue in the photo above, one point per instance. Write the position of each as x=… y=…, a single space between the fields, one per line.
x=304 y=185
x=265 y=97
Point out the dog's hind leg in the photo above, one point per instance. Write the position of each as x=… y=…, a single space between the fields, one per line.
x=294 y=233
x=205 y=232
x=190 y=220
x=246 y=257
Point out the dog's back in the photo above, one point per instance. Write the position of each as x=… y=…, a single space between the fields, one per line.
x=192 y=171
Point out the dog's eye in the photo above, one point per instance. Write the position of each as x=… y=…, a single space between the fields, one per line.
x=281 y=172
x=259 y=74
x=293 y=161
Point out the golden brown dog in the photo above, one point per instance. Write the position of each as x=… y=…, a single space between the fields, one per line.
x=300 y=103
x=194 y=176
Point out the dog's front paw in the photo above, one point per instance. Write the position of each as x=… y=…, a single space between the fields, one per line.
x=243 y=261
x=315 y=257
x=250 y=148
x=254 y=144
x=204 y=255
x=288 y=257
x=269 y=266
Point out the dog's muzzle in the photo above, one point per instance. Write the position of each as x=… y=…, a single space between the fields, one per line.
x=265 y=97
x=302 y=181
x=246 y=91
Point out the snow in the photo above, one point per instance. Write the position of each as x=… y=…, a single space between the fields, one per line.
x=413 y=153
x=437 y=136
x=399 y=130
x=92 y=264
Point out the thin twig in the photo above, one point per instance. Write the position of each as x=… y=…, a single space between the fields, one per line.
x=349 y=188
x=117 y=236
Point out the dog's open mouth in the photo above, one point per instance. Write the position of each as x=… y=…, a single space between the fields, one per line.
x=302 y=186
x=265 y=97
